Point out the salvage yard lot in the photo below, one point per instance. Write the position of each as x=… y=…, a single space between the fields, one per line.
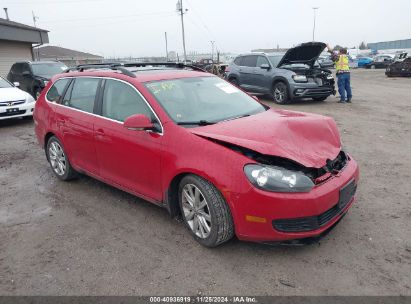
x=86 y=238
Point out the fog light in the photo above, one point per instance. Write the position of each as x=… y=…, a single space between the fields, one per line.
x=299 y=91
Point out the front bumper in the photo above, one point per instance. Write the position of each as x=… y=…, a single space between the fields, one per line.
x=312 y=92
x=21 y=110
x=269 y=208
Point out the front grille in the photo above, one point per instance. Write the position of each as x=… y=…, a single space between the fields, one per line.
x=304 y=224
x=12 y=113
x=11 y=103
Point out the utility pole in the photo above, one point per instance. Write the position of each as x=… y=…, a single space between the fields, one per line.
x=181 y=11
x=212 y=50
x=315 y=13
x=165 y=36
x=7 y=13
x=35 y=18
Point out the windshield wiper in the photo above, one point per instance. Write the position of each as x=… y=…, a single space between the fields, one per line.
x=198 y=123
x=237 y=117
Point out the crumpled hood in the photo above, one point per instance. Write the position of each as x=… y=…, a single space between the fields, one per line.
x=305 y=53
x=308 y=139
x=12 y=94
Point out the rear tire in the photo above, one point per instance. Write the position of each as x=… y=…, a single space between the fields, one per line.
x=280 y=93
x=372 y=67
x=59 y=163
x=204 y=211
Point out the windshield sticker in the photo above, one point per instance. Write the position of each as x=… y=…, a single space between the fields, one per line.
x=160 y=87
x=229 y=89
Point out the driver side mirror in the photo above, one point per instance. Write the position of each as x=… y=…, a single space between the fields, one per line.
x=16 y=84
x=139 y=122
x=265 y=66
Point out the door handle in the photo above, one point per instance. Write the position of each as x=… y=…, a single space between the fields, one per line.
x=100 y=132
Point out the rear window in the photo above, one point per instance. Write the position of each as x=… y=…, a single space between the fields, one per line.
x=56 y=91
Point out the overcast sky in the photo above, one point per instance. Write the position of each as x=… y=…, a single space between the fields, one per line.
x=136 y=27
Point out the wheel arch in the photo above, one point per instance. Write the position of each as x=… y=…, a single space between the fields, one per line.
x=171 y=202
x=284 y=80
x=278 y=79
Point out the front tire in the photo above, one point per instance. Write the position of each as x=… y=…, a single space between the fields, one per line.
x=280 y=93
x=204 y=211
x=58 y=160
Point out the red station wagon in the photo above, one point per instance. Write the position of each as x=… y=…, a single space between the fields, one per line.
x=201 y=148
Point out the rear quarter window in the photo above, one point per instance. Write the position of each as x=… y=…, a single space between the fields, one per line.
x=56 y=91
x=82 y=94
x=238 y=61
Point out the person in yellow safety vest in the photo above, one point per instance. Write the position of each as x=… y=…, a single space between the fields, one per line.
x=343 y=74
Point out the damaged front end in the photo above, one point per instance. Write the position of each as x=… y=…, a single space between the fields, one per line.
x=317 y=176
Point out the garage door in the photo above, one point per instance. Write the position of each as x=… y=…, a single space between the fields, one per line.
x=10 y=52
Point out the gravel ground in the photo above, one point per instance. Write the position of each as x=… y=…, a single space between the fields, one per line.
x=87 y=238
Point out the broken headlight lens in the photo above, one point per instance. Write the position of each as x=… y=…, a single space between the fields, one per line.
x=275 y=179
x=300 y=78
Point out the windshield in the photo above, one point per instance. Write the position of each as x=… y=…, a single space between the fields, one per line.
x=202 y=100
x=275 y=59
x=4 y=84
x=48 y=69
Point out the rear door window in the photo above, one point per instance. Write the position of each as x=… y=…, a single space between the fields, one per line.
x=56 y=91
x=81 y=94
x=249 y=61
x=120 y=101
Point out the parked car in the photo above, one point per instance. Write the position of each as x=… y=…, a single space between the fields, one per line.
x=401 y=67
x=284 y=76
x=326 y=62
x=33 y=76
x=200 y=147
x=14 y=102
x=363 y=61
x=380 y=62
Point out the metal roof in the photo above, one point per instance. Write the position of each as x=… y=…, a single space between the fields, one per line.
x=56 y=52
x=14 y=31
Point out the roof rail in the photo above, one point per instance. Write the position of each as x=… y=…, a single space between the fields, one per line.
x=178 y=65
x=121 y=67
x=112 y=66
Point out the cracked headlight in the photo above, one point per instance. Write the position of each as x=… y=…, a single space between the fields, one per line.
x=300 y=78
x=275 y=179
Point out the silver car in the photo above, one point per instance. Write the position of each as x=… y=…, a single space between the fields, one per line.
x=284 y=76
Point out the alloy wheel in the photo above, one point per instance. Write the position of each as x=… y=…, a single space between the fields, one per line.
x=57 y=158
x=279 y=94
x=196 y=211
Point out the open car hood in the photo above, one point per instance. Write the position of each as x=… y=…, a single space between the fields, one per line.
x=308 y=139
x=305 y=53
